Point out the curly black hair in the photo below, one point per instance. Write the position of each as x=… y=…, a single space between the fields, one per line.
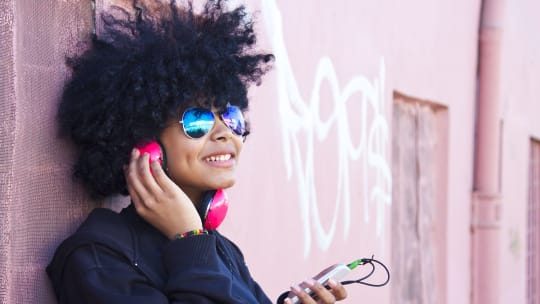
x=147 y=65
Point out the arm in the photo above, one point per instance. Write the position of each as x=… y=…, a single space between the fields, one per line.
x=97 y=274
x=194 y=268
x=335 y=292
x=245 y=274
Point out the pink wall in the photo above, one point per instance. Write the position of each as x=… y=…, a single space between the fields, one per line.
x=373 y=48
x=313 y=189
x=519 y=111
x=37 y=207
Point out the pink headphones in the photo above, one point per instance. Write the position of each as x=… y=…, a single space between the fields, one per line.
x=214 y=208
x=214 y=205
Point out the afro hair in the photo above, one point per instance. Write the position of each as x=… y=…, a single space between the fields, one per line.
x=147 y=65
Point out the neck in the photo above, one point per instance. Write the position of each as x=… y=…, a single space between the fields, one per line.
x=195 y=195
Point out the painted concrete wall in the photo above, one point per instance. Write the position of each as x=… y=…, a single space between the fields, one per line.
x=324 y=185
x=37 y=207
x=520 y=107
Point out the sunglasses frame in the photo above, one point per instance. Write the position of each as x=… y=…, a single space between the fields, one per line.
x=220 y=115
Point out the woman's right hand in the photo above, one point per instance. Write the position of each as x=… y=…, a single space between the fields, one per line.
x=157 y=199
x=336 y=292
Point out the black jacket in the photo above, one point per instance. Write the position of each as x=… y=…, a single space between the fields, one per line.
x=119 y=258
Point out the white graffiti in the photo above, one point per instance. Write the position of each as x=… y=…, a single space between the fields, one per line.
x=301 y=120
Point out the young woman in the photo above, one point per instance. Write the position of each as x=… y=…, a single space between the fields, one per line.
x=161 y=77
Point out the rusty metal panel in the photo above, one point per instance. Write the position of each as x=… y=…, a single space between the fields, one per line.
x=413 y=209
x=533 y=226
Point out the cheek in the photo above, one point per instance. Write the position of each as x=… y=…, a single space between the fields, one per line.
x=239 y=144
x=181 y=159
x=180 y=153
x=182 y=169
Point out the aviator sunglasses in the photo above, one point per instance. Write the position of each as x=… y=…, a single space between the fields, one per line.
x=197 y=122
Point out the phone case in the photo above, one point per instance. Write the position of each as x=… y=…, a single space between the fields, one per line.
x=335 y=272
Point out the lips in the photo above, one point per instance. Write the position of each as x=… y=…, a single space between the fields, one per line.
x=219 y=158
x=222 y=158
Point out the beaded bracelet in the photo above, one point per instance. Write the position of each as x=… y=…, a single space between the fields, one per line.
x=192 y=232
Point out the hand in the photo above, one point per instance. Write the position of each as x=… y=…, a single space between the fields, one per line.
x=157 y=199
x=324 y=296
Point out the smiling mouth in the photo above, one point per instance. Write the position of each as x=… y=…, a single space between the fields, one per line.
x=218 y=158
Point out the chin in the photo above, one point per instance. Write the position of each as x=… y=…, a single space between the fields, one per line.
x=225 y=184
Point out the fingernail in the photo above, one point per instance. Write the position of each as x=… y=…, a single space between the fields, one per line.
x=287 y=300
x=145 y=156
x=135 y=152
x=296 y=288
x=332 y=283
x=309 y=282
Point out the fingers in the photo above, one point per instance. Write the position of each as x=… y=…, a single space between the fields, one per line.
x=137 y=201
x=160 y=177
x=140 y=183
x=132 y=182
x=302 y=295
x=322 y=294
x=337 y=290
x=319 y=293
x=146 y=176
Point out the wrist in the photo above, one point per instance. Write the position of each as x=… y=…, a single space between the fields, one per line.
x=190 y=233
x=185 y=226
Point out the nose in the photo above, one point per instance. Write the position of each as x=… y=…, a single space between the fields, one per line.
x=220 y=131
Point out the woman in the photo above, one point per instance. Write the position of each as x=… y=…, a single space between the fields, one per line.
x=167 y=77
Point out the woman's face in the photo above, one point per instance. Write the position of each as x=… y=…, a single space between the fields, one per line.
x=197 y=165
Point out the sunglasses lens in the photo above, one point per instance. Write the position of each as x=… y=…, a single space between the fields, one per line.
x=233 y=118
x=197 y=122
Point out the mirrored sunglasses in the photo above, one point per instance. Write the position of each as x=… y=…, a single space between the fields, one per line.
x=197 y=122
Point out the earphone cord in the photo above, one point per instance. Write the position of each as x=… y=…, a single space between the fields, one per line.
x=371 y=262
x=351 y=266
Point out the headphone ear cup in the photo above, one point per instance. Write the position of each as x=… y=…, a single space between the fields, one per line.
x=155 y=151
x=163 y=156
x=213 y=209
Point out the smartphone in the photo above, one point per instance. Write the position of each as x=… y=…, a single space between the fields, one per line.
x=335 y=272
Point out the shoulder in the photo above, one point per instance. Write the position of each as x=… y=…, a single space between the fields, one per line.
x=102 y=226
x=228 y=243
x=103 y=233
x=110 y=240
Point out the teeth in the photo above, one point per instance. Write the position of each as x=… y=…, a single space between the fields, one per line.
x=223 y=157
